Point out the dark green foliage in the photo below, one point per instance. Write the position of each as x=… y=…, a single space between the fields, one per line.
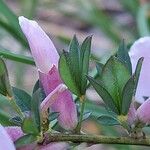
x=73 y=65
x=22 y=98
x=115 y=84
x=108 y=120
x=25 y=140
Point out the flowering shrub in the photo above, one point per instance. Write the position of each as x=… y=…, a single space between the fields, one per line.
x=121 y=82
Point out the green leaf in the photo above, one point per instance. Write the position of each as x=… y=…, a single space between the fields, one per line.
x=95 y=108
x=5 y=88
x=16 y=120
x=73 y=66
x=36 y=86
x=54 y=124
x=53 y=116
x=85 y=52
x=86 y=115
x=35 y=108
x=6 y=111
x=130 y=88
x=22 y=98
x=29 y=126
x=107 y=120
x=114 y=76
x=137 y=71
x=74 y=56
x=104 y=94
x=25 y=140
x=66 y=74
x=123 y=56
x=99 y=67
x=5 y=105
x=127 y=95
x=5 y=119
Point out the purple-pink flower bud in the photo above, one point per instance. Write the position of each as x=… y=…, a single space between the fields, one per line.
x=64 y=103
x=50 y=99
x=46 y=59
x=141 y=48
x=143 y=113
x=131 y=115
x=55 y=146
x=42 y=48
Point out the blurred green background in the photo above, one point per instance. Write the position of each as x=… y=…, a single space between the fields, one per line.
x=109 y=21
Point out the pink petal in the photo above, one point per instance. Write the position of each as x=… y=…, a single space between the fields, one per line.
x=5 y=141
x=28 y=147
x=141 y=48
x=50 y=99
x=42 y=48
x=143 y=112
x=131 y=114
x=14 y=132
x=55 y=146
x=64 y=103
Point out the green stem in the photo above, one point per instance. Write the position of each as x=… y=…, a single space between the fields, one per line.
x=95 y=139
x=82 y=102
x=16 y=57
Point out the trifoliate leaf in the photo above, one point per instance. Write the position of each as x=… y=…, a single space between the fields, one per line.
x=114 y=76
x=107 y=98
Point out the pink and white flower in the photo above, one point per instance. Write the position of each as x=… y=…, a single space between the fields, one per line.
x=141 y=48
x=46 y=60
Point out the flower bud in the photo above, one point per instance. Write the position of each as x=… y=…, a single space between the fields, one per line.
x=64 y=103
x=143 y=113
x=46 y=59
x=131 y=115
x=141 y=48
x=50 y=99
x=42 y=48
x=55 y=146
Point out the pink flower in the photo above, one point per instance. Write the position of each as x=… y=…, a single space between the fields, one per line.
x=131 y=114
x=143 y=113
x=46 y=59
x=55 y=146
x=50 y=99
x=14 y=132
x=5 y=141
x=42 y=48
x=141 y=48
